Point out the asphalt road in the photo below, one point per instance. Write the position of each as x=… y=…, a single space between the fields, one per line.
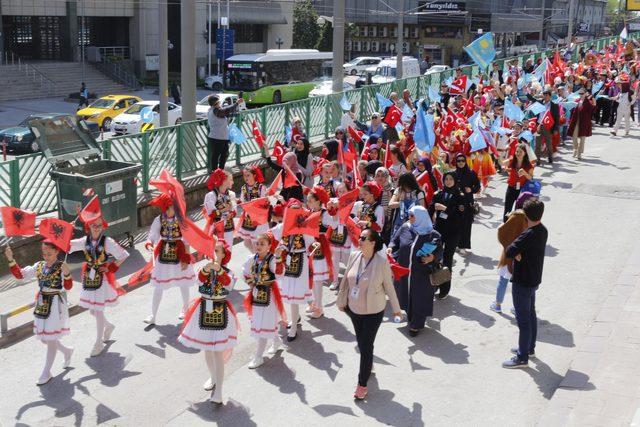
x=449 y=375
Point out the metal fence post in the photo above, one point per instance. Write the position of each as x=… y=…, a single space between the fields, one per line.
x=239 y=121
x=145 y=162
x=263 y=122
x=307 y=119
x=179 y=151
x=418 y=84
x=287 y=119
x=106 y=149
x=14 y=180
x=327 y=105
x=364 y=93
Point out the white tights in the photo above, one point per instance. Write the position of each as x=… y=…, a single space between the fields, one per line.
x=262 y=345
x=317 y=294
x=157 y=297
x=101 y=322
x=215 y=363
x=295 y=313
x=52 y=348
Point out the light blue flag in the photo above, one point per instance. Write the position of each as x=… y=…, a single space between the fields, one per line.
x=477 y=142
x=536 y=108
x=540 y=70
x=344 y=103
x=475 y=81
x=573 y=97
x=399 y=127
x=569 y=105
x=512 y=111
x=448 y=81
x=434 y=96
x=527 y=135
x=288 y=132
x=407 y=113
x=423 y=133
x=520 y=83
x=235 y=135
x=528 y=78
x=497 y=123
x=596 y=87
x=482 y=51
x=475 y=121
x=426 y=249
x=383 y=102
x=503 y=131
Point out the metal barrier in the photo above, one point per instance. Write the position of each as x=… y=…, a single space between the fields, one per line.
x=4 y=317
x=182 y=149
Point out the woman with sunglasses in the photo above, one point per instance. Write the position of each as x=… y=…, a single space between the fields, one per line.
x=364 y=289
x=417 y=246
x=330 y=149
x=470 y=185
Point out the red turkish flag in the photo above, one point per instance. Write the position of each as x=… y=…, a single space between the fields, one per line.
x=547 y=120
x=295 y=136
x=423 y=179
x=349 y=197
x=365 y=153
x=58 y=232
x=218 y=229
x=398 y=271
x=170 y=186
x=318 y=166
x=258 y=210
x=344 y=211
x=393 y=116
x=438 y=177
x=355 y=134
x=197 y=238
x=278 y=152
x=17 y=222
x=258 y=135
x=459 y=86
x=357 y=178
x=533 y=124
x=354 y=231
x=558 y=63
x=290 y=178
x=346 y=155
x=301 y=221
x=275 y=185
x=91 y=211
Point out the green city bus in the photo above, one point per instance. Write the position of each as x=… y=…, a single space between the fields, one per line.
x=280 y=75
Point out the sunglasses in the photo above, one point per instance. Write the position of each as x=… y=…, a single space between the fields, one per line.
x=363 y=238
x=461 y=161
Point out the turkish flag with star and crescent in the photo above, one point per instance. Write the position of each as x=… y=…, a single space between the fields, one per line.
x=278 y=152
x=547 y=120
x=258 y=135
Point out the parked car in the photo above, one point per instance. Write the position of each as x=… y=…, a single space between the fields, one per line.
x=131 y=122
x=213 y=82
x=103 y=110
x=360 y=64
x=434 y=69
x=202 y=107
x=20 y=138
x=386 y=71
x=326 y=88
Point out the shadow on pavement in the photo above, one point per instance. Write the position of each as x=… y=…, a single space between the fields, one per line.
x=329 y=410
x=452 y=306
x=379 y=404
x=275 y=371
x=232 y=413
x=307 y=348
x=109 y=369
x=433 y=343
x=548 y=381
x=550 y=333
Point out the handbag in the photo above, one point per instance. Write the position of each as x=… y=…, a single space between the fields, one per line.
x=533 y=186
x=441 y=274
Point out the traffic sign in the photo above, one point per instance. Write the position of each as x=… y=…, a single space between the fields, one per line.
x=146 y=114
x=224 y=42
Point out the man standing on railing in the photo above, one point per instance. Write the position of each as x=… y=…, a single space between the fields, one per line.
x=218 y=120
x=84 y=96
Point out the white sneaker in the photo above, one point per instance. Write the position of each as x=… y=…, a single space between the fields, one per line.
x=462 y=252
x=274 y=348
x=151 y=320
x=256 y=363
x=108 y=331
x=209 y=385
x=98 y=347
x=44 y=378
x=216 y=397
x=333 y=286
x=67 y=359
x=181 y=315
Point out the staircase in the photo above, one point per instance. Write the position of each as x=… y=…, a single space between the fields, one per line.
x=51 y=79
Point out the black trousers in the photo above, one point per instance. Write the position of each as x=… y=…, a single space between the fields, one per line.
x=601 y=114
x=366 y=327
x=450 y=243
x=83 y=102
x=219 y=152
x=509 y=199
x=613 y=113
x=465 y=228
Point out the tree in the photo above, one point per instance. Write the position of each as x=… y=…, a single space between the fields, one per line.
x=325 y=42
x=305 y=26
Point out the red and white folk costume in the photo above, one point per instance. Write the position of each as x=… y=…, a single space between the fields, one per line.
x=99 y=286
x=211 y=324
x=368 y=212
x=51 y=313
x=248 y=231
x=220 y=204
x=171 y=259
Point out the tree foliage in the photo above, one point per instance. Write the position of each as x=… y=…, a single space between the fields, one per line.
x=325 y=42
x=306 y=31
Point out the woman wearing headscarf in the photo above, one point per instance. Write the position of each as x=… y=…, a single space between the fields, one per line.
x=447 y=209
x=291 y=161
x=417 y=246
x=469 y=185
x=406 y=195
x=302 y=150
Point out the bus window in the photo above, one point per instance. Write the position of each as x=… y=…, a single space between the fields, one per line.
x=245 y=80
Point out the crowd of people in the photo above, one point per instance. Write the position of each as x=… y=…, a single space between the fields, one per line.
x=373 y=217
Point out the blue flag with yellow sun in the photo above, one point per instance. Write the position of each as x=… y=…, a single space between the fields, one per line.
x=482 y=50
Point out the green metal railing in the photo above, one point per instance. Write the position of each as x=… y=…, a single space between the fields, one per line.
x=182 y=149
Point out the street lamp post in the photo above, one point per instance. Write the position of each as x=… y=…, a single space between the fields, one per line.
x=338 y=46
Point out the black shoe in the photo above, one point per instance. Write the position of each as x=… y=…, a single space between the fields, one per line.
x=442 y=296
x=414 y=332
x=292 y=338
x=515 y=363
x=515 y=351
x=299 y=323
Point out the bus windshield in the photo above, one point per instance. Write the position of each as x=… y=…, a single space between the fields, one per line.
x=241 y=79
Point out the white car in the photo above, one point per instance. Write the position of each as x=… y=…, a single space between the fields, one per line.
x=202 y=107
x=326 y=88
x=214 y=83
x=360 y=64
x=130 y=121
x=436 y=69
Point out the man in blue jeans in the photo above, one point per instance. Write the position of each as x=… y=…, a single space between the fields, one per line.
x=527 y=251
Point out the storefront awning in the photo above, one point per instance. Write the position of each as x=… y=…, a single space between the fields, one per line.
x=251 y=12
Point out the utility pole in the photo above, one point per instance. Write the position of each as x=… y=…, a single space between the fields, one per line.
x=1 y=35
x=82 y=39
x=163 y=72
x=572 y=7
x=218 y=61
x=541 y=37
x=188 y=59
x=209 y=41
x=400 y=40
x=338 y=45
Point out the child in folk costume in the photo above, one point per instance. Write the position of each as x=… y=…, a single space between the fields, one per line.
x=171 y=259
x=263 y=302
x=51 y=313
x=253 y=188
x=322 y=262
x=211 y=324
x=220 y=203
x=339 y=238
x=97 y=269
x=368 y=212
x=326 y=180
x=293 y=251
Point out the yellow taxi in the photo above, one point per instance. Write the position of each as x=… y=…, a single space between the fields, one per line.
x=104 y=109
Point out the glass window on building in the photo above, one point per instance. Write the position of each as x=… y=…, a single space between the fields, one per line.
x=443 y=32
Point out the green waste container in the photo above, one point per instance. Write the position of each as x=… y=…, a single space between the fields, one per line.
x=80 y=174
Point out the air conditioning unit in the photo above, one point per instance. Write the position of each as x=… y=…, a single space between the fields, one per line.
x=406 y=32
x=406 y=47
x=357 y=46
x=373 y=31
x=366 y=46
x=365 y=31
x=375 y=46
x=385 y=32
x=416 y=32
x=394 y=32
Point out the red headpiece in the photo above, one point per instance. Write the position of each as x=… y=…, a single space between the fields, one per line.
x=278 y=210
x=321 y=194
x=216 y=179
x=56 y=243
x=92 y=213
x=293 y=202
x=162 y=201
x=227 y=252
x=374 y=189
x=257 y=172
